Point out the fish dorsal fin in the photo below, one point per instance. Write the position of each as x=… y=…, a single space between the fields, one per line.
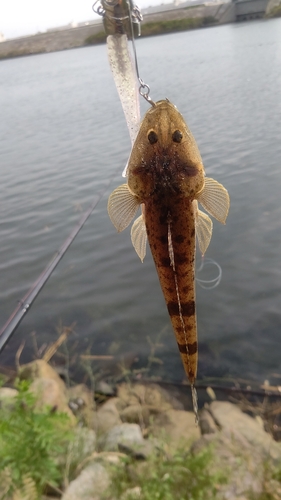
x=203 y=227
x=215 y=199
x=139 y=236
x=122 y=207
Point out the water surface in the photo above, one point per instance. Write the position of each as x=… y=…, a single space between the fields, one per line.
x=62 y=134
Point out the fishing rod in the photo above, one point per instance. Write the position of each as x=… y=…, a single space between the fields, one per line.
x=26 y=302
x=112 y=18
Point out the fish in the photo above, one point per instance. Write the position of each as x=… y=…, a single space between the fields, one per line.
x=166 y=178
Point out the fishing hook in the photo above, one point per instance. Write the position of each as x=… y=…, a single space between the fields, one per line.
x=99 y=10
x=144 y=89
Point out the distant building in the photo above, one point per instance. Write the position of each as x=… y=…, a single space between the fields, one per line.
x=2 y=38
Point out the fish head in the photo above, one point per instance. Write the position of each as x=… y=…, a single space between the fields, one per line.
x=165 y=158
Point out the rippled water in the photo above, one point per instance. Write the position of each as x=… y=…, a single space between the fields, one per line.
x=62 y=134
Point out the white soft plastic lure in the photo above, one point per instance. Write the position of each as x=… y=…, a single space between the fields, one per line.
x=125 y=79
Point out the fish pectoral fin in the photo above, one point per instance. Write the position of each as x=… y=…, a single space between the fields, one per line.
x=215 y=199
x=204 y=228
x=122 y=207
x=139 y=236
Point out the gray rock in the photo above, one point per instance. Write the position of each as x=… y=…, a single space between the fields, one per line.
x=126 y=434
x=84 y=444
x=241 y=448
x=206 y=422
x=106 y=417
x=232 y=420
x=136 y=413
x=150 y=395
x=89 y=485
x=132 y=493
x=178 y=427
x=82 y=403
x=40 y=369
x=47 y=386
x=104 y=388
x=238 y=460
x=49 y=392
x=7 y=393
x=7 y=396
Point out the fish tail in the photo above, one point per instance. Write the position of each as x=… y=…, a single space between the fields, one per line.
x=187 y=345
x=183 y=314
x=172 y=243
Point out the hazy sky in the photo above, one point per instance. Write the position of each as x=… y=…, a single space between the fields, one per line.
x=22 y=17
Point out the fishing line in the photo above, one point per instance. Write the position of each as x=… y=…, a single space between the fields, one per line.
x=144 y=89
x=172 y=263
x=213 y=283
x=116 y=26
x=25 y=304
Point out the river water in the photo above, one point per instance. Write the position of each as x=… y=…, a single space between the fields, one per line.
x=63 y=134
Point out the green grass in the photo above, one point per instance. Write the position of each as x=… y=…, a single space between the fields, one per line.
x=175 y=25
x=97 y=38
x=30 y=442
x=181 y=477
x=161 y=27
x=275 y=12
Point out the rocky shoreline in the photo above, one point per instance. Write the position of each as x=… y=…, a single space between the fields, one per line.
x=137 y=428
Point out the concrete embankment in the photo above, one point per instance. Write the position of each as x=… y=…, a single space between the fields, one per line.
x=163 y=22
x=50 y=41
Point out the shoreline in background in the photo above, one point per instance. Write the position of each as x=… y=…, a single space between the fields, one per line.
x=194 y=17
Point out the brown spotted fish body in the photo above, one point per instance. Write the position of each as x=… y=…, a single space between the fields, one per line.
x=166 y=177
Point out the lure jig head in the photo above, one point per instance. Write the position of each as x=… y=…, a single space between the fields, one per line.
x=120 y=17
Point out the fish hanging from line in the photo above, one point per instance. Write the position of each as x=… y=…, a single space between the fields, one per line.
x=166 y=178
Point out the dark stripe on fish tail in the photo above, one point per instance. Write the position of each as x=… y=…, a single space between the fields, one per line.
x=165 y=262
x=186 y=308
x=188 y=348
x=173 y=308
x=182 y=348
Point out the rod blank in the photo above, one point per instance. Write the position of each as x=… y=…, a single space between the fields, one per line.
x=25 y=304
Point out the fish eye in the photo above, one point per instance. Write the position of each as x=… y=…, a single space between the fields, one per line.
x=152 y=137
x=177 y=136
